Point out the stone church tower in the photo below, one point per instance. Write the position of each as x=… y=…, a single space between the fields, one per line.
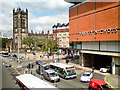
x=20 y=27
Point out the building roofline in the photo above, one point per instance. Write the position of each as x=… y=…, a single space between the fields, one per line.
x=79 y=4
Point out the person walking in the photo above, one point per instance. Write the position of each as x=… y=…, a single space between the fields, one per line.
x=93 y=69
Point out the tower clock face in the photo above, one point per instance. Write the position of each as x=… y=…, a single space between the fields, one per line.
x=16 y=30
x=23 y=30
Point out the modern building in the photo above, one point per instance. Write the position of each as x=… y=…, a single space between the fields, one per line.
x=61 y=34
x=94 y=32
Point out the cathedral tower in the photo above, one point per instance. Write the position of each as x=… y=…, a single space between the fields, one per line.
x=20 y=27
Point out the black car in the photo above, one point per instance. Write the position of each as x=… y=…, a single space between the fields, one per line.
x=15 y=55
x=75 y=57
x=67 y=57
x=38 y=62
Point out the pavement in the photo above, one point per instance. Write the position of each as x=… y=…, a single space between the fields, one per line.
x=111 y=80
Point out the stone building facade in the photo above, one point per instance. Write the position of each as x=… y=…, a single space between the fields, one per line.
x=20 y=29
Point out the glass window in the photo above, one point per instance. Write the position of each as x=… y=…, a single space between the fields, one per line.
x=64 y=34
x=53 y=75
x=105 y=87
x=71 y=72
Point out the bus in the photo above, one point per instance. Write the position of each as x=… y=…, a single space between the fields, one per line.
x=64 y=70
x=30 y=82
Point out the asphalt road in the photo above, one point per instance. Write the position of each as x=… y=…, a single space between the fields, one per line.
x=74 y=83
x=7 y=80
x=70 y=84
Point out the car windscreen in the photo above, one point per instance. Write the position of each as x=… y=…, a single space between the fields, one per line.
x=46 y=67
x=86 y=74
x=53 y=75
x=71 y=71
x=105 y=87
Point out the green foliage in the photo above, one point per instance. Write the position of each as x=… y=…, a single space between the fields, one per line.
x=48 y=43
x=3 y=41
x=30 y=41
x=44 y=45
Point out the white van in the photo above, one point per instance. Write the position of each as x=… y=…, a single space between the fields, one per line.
x=51 y=75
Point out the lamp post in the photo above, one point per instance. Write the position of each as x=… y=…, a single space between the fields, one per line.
x=58 y=49
x=18 y=46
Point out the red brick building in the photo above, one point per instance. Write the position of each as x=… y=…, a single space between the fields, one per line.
x=94 y=32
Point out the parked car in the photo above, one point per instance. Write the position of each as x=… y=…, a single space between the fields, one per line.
x=86 y=76
x=96 y=84
x=8 y=65
x=75 y=57
x=104 y=70
x=67 y=57
x=39 y=62
x=51 y=75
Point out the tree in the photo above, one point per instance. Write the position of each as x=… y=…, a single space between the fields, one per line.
x=30 y=41
x=44 y=44
x=3 y=41
x=48 y=43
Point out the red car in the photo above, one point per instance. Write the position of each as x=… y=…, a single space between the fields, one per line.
x=96 y=84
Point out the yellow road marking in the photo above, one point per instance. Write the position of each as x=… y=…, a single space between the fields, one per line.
x=16 y=71
x=107 y=82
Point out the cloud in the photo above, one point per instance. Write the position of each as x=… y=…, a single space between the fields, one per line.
x=42 y=14
x=46 y=22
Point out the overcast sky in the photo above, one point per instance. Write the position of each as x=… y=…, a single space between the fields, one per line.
x=42 y=14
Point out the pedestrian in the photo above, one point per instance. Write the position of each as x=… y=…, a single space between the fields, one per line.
x=93 y=69
x=55 y=60
x=48 y=56
x=67 y=61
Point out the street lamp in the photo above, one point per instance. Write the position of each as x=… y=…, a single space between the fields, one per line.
x=58 y=49
x=18 y=46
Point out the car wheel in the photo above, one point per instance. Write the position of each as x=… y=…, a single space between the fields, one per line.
x=90 y=88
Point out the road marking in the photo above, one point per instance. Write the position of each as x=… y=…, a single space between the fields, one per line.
x=19 y=66
x=16 y=71
x=107 y=82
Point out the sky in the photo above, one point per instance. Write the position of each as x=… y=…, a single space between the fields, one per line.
x=42 y=14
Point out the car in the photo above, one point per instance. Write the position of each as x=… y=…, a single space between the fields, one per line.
x=39 y=62
x=22 y=58
x=67 y=57
x=75 y=57
x=104 y=70
x=5 y=55
x=51 y=75
x=8 y=65
x=10 y=54
x=86 y=77
x=96 y=84
x=15 y=55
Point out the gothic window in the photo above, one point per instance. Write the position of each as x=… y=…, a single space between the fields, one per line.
x=16 y=23
x=22 y=23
